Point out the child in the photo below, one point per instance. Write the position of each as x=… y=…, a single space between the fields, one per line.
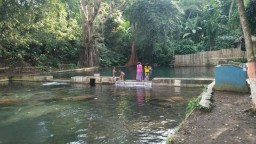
x=147 y=70
x=114 y=72
x=122 y=74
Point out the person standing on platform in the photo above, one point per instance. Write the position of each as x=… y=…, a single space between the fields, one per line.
x=114 y=72
x=122 y=74
x=139 y=75
x=147 y=69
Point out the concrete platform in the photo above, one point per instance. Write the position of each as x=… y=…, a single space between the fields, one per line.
x=4 y=78
x=134 y=83
x=92 y=79
x=31 y=78
x=182 y=82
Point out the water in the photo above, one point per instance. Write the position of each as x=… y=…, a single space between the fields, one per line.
x=168 y=72
x=46 y=114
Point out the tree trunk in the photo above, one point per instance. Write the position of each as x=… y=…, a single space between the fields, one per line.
x=133 y=58
x=251 y=71
x=230 y=9
x=89 y=55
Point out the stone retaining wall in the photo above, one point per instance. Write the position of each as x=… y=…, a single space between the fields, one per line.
x=4 y=78
x=31 y=78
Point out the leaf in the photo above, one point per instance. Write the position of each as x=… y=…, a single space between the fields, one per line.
x=186 y=34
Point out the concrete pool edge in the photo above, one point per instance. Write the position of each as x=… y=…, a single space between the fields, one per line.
x=179 y=82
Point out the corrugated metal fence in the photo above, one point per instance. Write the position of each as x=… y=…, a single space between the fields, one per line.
x=209 y=57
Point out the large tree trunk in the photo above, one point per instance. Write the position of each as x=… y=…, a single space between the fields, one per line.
x=133 y=58
x=89 y=55
x=251 y=71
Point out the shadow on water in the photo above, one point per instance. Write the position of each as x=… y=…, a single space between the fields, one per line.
x=60 y=114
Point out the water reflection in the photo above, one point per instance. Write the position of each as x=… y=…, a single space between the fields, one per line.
x=115 y=115
x=140 y=97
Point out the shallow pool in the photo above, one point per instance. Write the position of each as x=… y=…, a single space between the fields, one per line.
x=62 y=114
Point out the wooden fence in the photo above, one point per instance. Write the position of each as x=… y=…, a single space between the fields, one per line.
x=209 y=57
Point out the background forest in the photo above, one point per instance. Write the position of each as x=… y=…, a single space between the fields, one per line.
x=115 y=32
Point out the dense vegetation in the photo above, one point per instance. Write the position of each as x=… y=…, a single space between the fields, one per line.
x=106 y=32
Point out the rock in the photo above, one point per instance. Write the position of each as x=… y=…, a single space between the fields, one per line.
x=72 y=98
x=8 y=101
x=78 y=98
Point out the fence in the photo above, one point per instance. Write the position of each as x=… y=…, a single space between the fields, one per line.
x=209 y=57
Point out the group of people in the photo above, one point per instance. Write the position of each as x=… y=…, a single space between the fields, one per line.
x=122 y=74
x=139 y=74
x=147 y=70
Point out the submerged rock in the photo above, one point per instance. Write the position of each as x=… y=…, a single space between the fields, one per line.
x=72 y=98
x=8 y=101
x=79 y=98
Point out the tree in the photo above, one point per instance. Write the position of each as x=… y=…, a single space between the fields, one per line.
x=37 y=33
x=250 y=14
x=89 y=55
x=133 y=57
x=154 y=23
x=249 y=51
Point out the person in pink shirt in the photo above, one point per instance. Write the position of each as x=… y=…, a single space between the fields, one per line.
x=139 y=75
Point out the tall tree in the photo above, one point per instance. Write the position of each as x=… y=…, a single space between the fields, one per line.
x=133 y=57
x=89 y=55
x=154 y=22
x=249 y=51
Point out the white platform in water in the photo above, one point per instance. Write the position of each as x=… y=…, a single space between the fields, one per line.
x=54 y=83
x=133 y=83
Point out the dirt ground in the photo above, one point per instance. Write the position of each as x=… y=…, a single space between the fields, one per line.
x=229 y=122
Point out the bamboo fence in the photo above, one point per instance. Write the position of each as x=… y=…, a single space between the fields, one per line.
x=209 y=58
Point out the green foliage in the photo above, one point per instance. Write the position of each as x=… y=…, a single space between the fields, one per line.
x=207 y=24
x=251 y=16
x=193 y=104
x=187 y=46
x=155 y=22
x=117 y=41
x=39 y=33
x=49 y=32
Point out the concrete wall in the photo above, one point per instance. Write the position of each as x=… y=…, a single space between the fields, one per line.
x=230 y=78
x=3 y=78
x=87 y=79
x=184 y=82
x=31 y=78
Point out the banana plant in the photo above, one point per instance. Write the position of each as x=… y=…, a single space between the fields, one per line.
x=191 y=27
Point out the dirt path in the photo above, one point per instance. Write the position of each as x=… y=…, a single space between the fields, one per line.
x=227 y=123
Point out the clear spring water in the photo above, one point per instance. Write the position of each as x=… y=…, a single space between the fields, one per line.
x=36 y=115
x=130 y=72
